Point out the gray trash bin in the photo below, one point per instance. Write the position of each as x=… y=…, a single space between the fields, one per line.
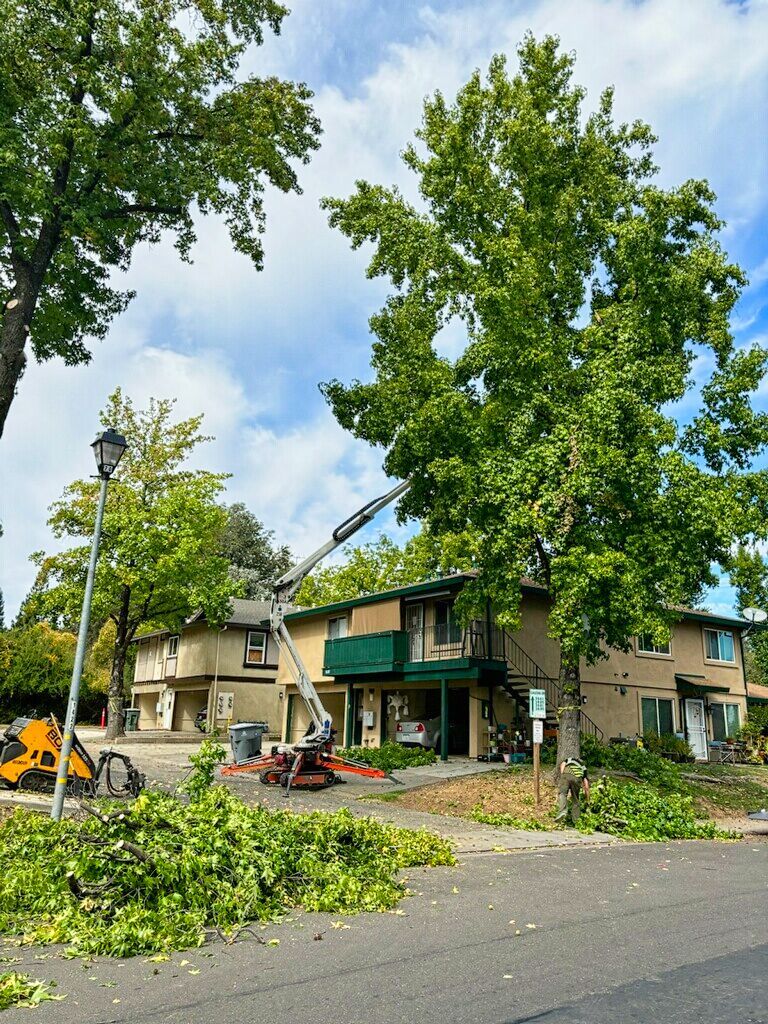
x=245 y=739
x=131 y=719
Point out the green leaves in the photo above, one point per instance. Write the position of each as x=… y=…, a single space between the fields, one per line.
x=389 y=756
x=20 y=990
x=591 y=302
x=119 y=120
x=214 y=863
x=637 y=812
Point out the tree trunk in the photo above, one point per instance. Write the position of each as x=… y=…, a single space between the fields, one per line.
x=115 y=721
x=569 y=712
x=14 y=332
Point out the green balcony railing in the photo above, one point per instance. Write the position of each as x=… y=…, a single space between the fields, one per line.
x=370 y=652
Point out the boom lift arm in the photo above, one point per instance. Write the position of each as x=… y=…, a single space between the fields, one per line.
x=284 y=590
x=311 y=762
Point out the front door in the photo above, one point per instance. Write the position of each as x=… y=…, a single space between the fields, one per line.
x=414 y=623
x=696 y=727
x=168 y=700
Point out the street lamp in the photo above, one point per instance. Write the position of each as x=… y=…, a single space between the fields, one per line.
x=108 y=449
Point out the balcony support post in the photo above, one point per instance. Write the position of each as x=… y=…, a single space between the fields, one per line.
x=443 y=719
x=349 y=726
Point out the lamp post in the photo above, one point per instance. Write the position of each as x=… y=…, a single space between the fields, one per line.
x=108 y=449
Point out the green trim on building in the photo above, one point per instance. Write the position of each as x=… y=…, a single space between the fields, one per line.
x=384 y=595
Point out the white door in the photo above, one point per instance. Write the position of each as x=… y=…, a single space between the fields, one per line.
x=414 y=623
x=696 y=727
x=168 y=699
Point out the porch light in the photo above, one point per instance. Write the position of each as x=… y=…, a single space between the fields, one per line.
x=108 y=449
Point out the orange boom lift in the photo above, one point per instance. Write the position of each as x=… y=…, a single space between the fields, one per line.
x=310 y=763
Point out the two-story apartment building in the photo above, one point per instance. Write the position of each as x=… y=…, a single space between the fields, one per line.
x=231 y=672
x=404 y=653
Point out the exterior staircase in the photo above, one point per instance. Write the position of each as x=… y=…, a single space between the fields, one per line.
x=523 y=674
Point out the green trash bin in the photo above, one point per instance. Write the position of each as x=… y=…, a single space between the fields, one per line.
x=131 y=719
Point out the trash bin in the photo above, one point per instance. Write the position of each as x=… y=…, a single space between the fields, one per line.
x=131 y=719
x=245 y=740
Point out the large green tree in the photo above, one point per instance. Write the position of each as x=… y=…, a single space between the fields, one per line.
x=36 y=669
x=383 y=565
x=586 y=292
x=748 y=572
x=118 y=119
x=254 y=557
x=159 y=558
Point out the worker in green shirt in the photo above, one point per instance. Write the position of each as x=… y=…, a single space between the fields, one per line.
x=573 y=778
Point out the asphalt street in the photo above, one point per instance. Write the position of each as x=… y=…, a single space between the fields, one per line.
x=664 y=933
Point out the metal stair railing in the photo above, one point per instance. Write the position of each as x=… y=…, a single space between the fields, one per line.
x=521 y=665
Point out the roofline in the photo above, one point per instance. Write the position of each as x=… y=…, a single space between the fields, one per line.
x=527 y=587
x=382 y=595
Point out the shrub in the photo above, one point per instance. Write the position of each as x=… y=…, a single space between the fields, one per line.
x=637 y=812
x=678 y=749
x=212 y=864
x=389 y=756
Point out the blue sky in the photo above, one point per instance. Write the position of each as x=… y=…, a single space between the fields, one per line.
x=249 y=349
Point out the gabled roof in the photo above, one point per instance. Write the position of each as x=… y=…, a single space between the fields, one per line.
x=242 y=613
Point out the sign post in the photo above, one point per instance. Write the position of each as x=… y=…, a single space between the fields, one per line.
x=537 y=710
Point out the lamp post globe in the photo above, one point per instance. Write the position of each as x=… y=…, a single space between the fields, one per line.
x=108 y=449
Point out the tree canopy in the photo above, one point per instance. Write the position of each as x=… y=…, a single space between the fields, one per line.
x=254 y=558
x=591 y=301
x=383 y=565
x=159 y=558
x=118 y=120
x=36 y=669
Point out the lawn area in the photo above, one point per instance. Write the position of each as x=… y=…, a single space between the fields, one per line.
x=510 y=792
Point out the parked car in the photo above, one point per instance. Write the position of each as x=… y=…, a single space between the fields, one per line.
x=423 y=733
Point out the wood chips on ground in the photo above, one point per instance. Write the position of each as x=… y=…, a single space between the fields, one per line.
x=497 y=792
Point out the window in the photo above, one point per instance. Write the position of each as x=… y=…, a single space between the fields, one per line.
x=646 y=645
x=446 y=629
x=255 y=648
x=657 y=716
x=725 y=721
x=337 y=627
x=173 y=646
x=718 y=645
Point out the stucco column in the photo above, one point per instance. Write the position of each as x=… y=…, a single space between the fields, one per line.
x=443 y=719
x=349 y=726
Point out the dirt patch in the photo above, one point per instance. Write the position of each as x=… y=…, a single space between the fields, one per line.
x=508 y=791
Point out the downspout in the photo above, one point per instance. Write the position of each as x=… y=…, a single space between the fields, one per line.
x=211 y=724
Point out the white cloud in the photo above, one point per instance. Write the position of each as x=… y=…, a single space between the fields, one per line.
x=248 y=348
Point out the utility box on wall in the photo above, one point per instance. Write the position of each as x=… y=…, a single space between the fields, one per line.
x=369 y=719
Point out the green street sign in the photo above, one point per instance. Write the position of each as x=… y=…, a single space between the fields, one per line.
x=537 y=703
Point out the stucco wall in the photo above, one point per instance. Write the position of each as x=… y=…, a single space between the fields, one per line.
x=375 y=618
x=309 y=635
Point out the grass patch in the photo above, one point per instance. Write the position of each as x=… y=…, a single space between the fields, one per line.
x=166 y=874
x=21 y=990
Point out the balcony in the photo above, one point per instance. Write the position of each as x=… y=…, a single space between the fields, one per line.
x=392 y=651
x=368 y=653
